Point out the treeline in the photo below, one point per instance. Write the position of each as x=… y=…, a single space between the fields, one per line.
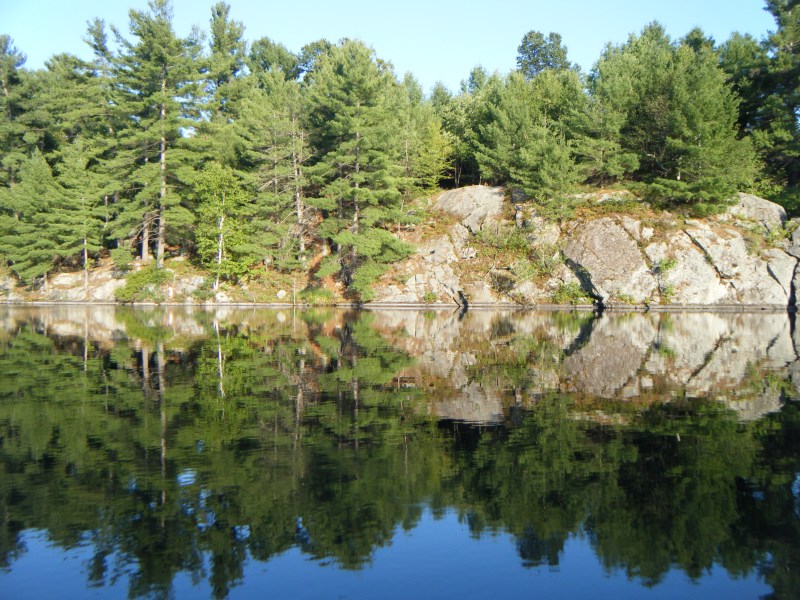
x=251 y=157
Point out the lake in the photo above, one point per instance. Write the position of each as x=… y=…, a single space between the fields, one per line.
x=241 y=453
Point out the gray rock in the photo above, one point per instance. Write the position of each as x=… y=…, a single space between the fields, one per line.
x=771 y=216
x=692 y=278
x=611 y=261
x=476 y=205
x=106 y=291
x=186 y=286
x=281 y=294
x=438 y=250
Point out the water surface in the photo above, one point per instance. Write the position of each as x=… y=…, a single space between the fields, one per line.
x=252 y=453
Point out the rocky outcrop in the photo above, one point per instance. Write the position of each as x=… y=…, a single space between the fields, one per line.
x=477 y=205
x=609 y=262
x=736 y=259
x=766 y=214
x=614 y=259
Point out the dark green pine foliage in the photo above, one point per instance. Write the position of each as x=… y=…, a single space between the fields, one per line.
x=358 y=169
x=272 y=132
x=156 y=82
x=79 y=217
x=224 y=83
x=537 y=53
x=527 y=138
x=677 y=115
x=28 y=238
x=767 y=77
x=12 y=146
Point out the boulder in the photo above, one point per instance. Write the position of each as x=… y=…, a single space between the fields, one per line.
x=609 y=261
x=769 y=215
x=476 y=205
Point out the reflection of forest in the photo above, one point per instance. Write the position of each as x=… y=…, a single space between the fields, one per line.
x=179 y=441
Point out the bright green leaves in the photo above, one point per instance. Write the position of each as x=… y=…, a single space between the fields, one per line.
x=222 y=226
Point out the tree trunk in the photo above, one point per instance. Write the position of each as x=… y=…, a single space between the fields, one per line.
x=145 y=254
x=85 y=269
x=220 y=243
x=298 y=193
x=162 y=158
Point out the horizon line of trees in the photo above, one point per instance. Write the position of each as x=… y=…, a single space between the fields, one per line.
x=249 y=156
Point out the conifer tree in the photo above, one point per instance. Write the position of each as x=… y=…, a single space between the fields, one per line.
x=27 y=236
x=358 y=167
x=275 y=146
x=78 y=217
x=156 y=82
x=11 y=131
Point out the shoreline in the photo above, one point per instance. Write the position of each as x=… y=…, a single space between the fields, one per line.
x=370 y=306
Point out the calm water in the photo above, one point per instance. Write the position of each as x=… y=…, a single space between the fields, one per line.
x=258 y=453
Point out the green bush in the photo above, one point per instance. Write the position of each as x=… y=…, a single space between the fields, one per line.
x=317 y=296
x=122 y=259
x=144 y=285
x=570 y=293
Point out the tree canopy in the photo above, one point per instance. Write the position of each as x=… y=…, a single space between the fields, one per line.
x=330 y=150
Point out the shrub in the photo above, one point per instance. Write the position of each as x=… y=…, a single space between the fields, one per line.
x=144 y=285
x=122 y=259
x=570 y=293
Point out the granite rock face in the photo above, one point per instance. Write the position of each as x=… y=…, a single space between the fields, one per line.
x=609 y=262
x=616 y=260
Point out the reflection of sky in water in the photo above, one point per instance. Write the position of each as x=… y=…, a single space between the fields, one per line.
x=187 y=477
x=438 y=558
x=796 y=494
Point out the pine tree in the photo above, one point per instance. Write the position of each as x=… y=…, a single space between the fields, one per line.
x=78 y=217
x=275 y=147
x=536 y=54
x=12 y=146
x=27 y=236
x=358 y=167
x=678 y=117
x=156 y=78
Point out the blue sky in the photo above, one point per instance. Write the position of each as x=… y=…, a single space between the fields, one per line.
x=436 y=40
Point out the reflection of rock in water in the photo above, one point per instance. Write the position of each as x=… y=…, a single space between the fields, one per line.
x=741 y=359
x=476 y=367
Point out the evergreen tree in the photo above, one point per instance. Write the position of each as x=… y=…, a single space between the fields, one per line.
x=358 y=165
x=266 y=55
x=526 y=140
x=156 y=81
x=275 y=147
x=678 y=117
x=27 y=235
x=79 y=216
x=12 y=152
x=537 y=53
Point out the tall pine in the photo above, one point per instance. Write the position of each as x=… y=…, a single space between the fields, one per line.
x=358 y=167
x=156 y=83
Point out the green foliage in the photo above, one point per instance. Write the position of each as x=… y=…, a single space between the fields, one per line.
x=223 y=230
x=537 y=53
x=316 y=296
x=144 y=285
x=570 y=293
x=430 y=297
x=676 y=115
x=121 y=258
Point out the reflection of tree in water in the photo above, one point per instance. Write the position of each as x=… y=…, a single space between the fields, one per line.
x=173 y=455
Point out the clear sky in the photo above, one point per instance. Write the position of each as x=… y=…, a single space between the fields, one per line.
x=436 y=40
